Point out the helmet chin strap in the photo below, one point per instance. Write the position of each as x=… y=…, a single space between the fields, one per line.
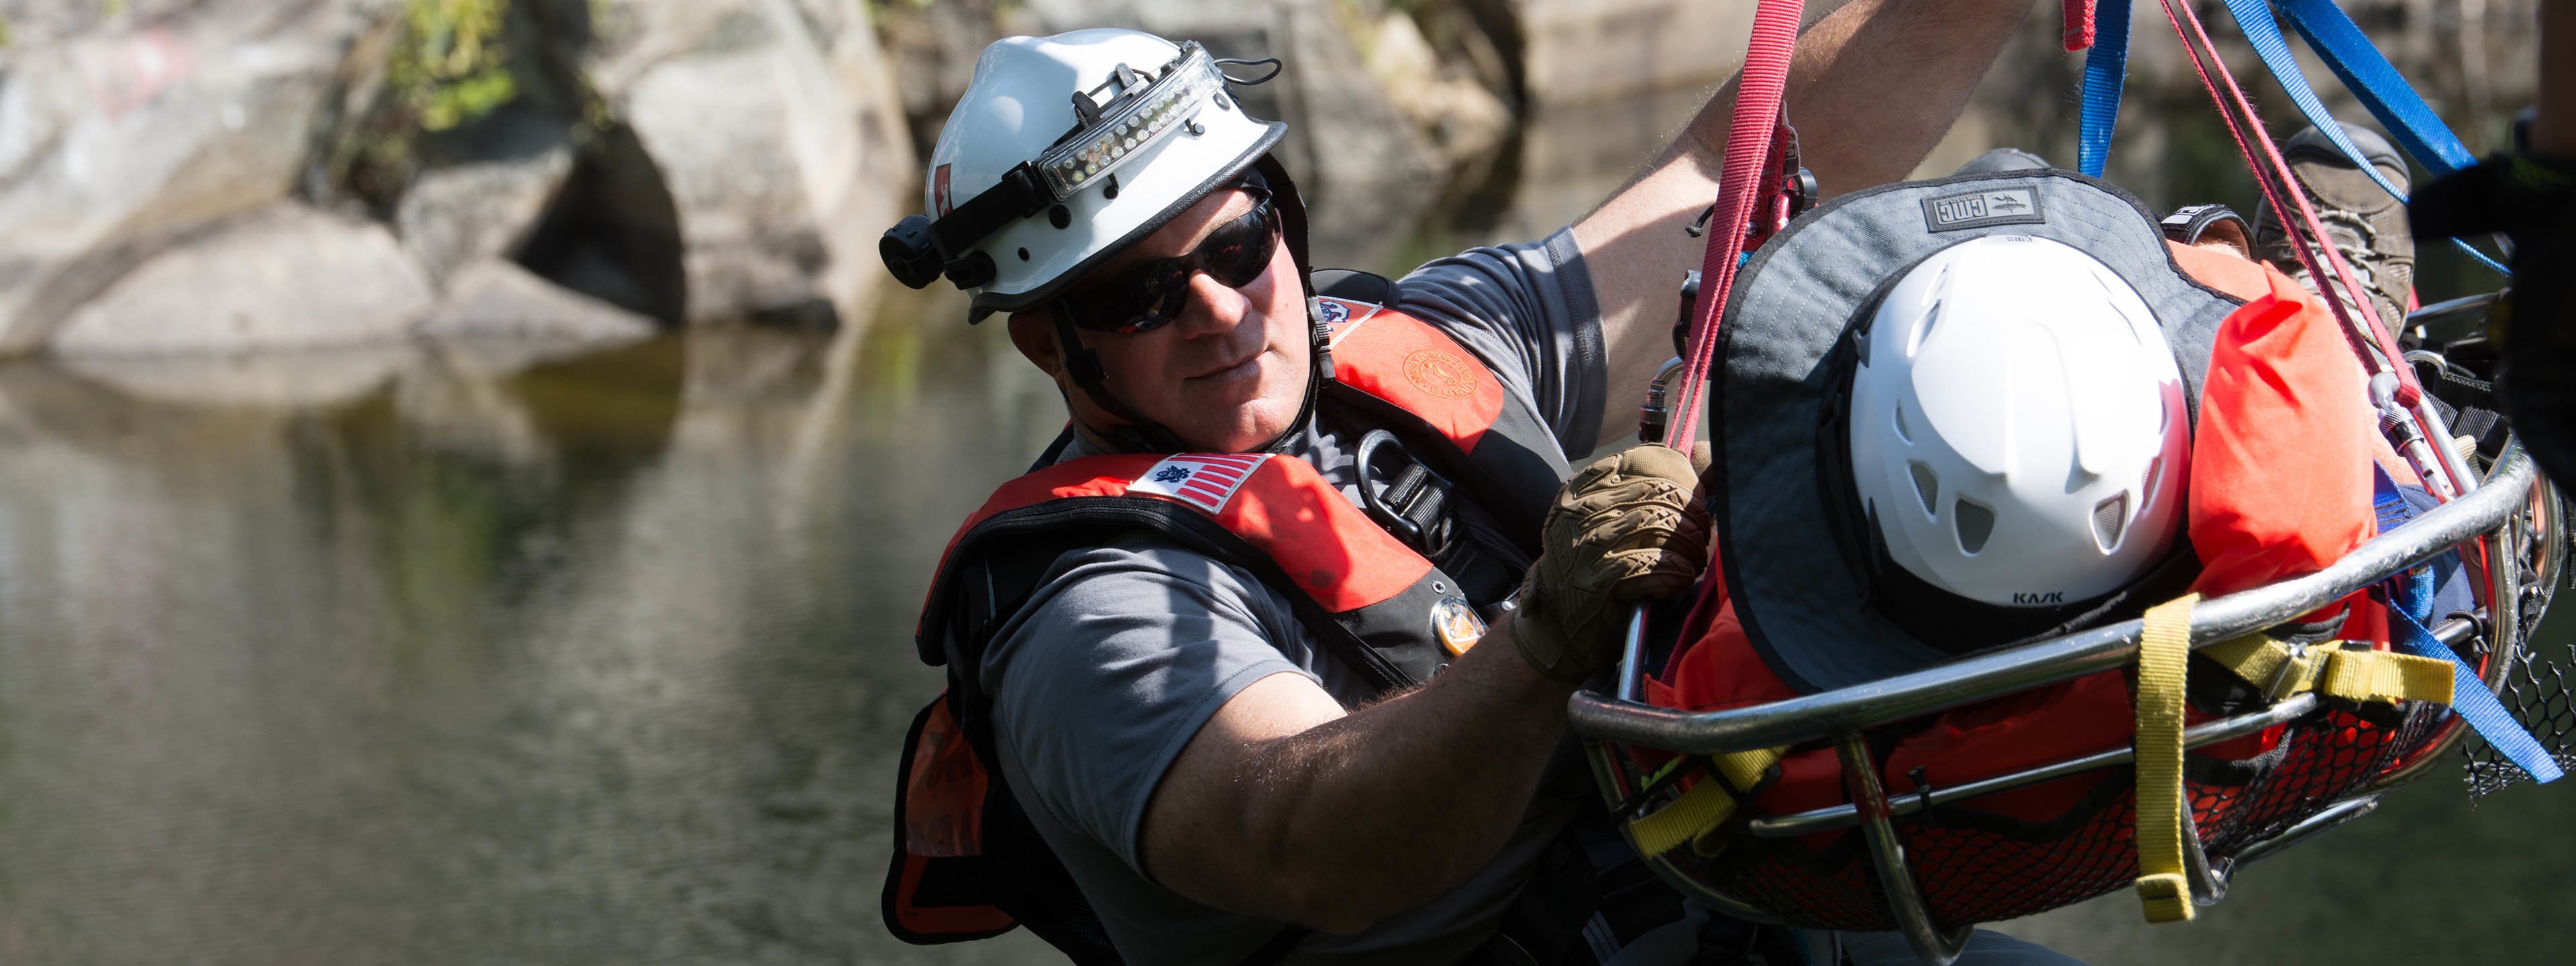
x=1137 y=434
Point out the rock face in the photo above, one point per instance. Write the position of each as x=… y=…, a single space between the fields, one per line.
x=689 y=161
x=487 y=208
x=288 y=277
x=497 y=299
x=777 y=138
x=115 y=138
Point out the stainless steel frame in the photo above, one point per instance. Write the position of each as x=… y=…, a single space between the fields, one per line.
x=2518 y=514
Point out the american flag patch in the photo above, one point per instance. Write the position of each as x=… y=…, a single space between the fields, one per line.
x=1203 y=480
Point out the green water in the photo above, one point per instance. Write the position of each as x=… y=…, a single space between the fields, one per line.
x=601 y=662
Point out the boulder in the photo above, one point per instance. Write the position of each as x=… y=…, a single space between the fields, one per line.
x=288 y=277
x=774 y=127
x=1464 y=121
x=456 y=215
x=122 y=132
x=494 y=299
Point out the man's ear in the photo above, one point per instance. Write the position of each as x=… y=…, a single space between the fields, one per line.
x=1034 y=335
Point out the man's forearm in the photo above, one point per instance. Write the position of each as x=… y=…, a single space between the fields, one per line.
x=1383 y=809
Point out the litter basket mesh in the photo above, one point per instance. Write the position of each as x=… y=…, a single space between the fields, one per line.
x=2535 y=689
x=1970 y=867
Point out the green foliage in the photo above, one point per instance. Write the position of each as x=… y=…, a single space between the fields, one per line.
x=449 y=66
x=4 y=33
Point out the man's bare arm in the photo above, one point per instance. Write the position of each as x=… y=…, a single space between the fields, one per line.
x=1286 y=808
x=1872 y=88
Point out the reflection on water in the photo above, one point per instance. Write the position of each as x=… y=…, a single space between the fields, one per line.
x=599 y=661
x=485 y=654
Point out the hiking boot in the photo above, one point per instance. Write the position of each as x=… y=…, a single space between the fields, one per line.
x=2001 y=160
x=2361 y=220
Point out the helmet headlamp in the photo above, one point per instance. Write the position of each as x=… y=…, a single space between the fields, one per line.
x=1132 y=120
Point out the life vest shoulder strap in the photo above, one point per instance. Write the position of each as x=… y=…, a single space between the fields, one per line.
x=1447 y=405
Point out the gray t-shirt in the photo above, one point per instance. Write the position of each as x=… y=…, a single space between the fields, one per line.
x=1124 y=650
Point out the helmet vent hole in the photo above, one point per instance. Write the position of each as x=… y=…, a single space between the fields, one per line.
x=1975 y=524
x=1109 y=189
x=1024 y=254
x=2109 y=516
x=1927 y=486
x=1923 y=329
x=2147 y=480
x=1060 y=216
x=1905 y=431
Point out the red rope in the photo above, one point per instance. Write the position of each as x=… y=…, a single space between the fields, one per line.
x=1749 y=139
x=2079 y=25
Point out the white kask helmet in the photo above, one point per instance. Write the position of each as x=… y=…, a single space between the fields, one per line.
x=2018 y=430
x=1062 y=151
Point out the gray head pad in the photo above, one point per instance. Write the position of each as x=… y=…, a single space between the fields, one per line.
x=1800 y=602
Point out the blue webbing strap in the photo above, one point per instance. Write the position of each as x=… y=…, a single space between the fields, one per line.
x=2394 y=102
x=2255 y=16
x=2470 y=698
x=2106 y=69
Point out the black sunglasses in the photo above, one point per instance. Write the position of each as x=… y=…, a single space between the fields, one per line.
x=1153 y=294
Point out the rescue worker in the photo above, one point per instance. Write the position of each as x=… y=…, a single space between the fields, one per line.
x=2530 y=196
x=1212 y=711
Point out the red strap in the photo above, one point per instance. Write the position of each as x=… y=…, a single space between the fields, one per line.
x=1749 y=139
x=2079 y=25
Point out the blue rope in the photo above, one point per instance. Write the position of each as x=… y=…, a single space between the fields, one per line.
x=2255 y=16
x=2106 y=69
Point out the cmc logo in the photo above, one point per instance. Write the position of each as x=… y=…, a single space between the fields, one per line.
x=1972 y=209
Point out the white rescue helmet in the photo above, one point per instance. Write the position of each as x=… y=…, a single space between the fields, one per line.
x=2018 y=430
x=1064 y=150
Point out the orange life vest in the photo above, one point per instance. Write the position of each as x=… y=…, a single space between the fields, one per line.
x=966 y=865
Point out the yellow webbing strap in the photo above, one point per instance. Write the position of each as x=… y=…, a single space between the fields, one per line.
x=2385 y=677
x=2164 y=655
x=2164 y=652
x=2377 y=677
x=1703 y=807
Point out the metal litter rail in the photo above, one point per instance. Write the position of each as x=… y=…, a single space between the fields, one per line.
x=1842 y=716
x=1818 y=717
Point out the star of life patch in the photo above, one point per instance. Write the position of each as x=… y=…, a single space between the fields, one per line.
x=1203 y=480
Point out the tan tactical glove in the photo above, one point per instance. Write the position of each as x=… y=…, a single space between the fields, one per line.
x=1623 y=529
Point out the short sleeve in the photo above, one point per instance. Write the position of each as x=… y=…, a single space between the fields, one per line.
x=1529 y=311
x=1122 y=654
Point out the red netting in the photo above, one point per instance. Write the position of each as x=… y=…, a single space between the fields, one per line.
x=1973 y=866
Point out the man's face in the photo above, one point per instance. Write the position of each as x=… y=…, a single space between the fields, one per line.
x=1228 y=375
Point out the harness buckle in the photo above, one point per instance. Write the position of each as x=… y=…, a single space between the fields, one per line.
x=1413 y=504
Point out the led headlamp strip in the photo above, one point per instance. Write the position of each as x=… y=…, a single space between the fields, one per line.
x=2404 y=418
x=1097 y=149
x=1749 y=141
